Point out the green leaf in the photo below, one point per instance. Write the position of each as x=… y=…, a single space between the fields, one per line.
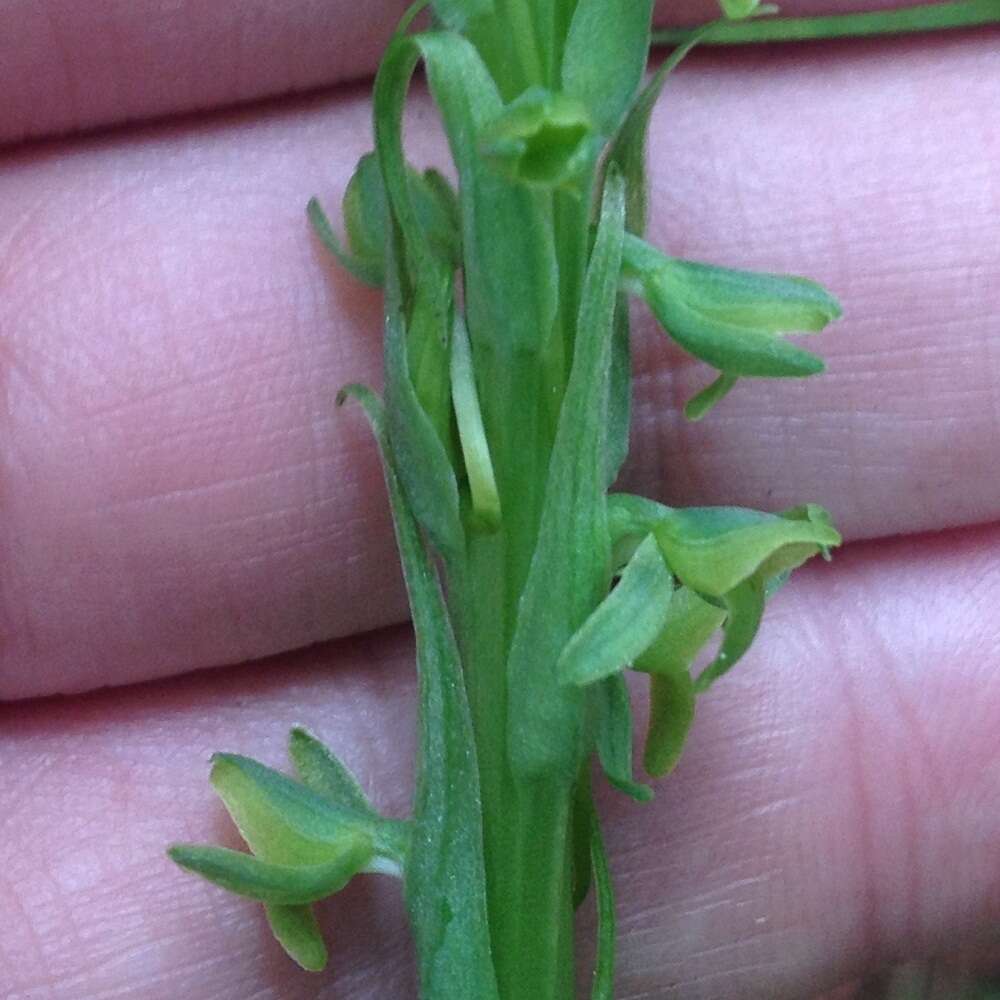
x=472 y=434
x=322 y=772
x=628 y=149
x=745 y=608
x=445 y=871
x=700 y=404
x=671 y=713
x=366 y=271
x=619 y=394
x=282 y=821
x=740 y=338
x=624 y=623
x=570 y=570
x=541 y=139
x=604 y=966
x=605 y=57
x=713 y=549
x=689 y=625
x=286 y=885
x=425 y=468
x=297 y=931
x=456 y=14
x=614 y=736
x=580 y=820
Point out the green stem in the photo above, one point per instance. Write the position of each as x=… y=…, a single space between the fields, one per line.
x=525 y=825
x=927 y=17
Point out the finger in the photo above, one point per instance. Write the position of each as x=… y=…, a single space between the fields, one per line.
x=179 y=492
x=68 y=66
x=838 y=807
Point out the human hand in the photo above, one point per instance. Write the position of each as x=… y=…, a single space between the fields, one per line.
x=178 y=492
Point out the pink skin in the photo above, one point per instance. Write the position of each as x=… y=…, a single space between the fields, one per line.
x=178 y=492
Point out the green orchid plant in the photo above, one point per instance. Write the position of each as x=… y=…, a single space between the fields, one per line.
x=505 y=419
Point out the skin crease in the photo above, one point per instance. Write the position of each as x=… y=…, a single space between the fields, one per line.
x=178 y=492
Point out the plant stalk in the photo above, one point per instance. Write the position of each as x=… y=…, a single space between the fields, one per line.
x=926 y=17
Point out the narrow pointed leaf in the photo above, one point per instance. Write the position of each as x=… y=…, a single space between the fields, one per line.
x=619 y=394
x=605 y=57
x=267 y=882
x=604 y=965
x=745 y=608
x=445 y=871
x=671 y=713
x=702 y=403
x=628 y=149
x=472 y=434
x=456 y=14
x=369 y=272
x=297 y=931
x=624 y=623
x=570 y=570
x=713 y=549
x=424 y=466
x=366 y=213
x=323 y=773
x=614 y=736
x=580 y=819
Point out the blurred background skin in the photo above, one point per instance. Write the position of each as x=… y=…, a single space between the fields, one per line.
x=177 y=493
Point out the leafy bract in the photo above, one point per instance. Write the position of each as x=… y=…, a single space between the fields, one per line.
x=624 y=623
x=604 y=965
x=570 y=569
x=425 y=469
x=456 y=14
x=605 y=58
x=280 y=884
x=628 y=149
x=614 y=735
x=445 y=872
x=619 y=394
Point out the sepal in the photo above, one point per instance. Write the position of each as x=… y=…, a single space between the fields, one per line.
x=267 y=882
x=542 y=139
